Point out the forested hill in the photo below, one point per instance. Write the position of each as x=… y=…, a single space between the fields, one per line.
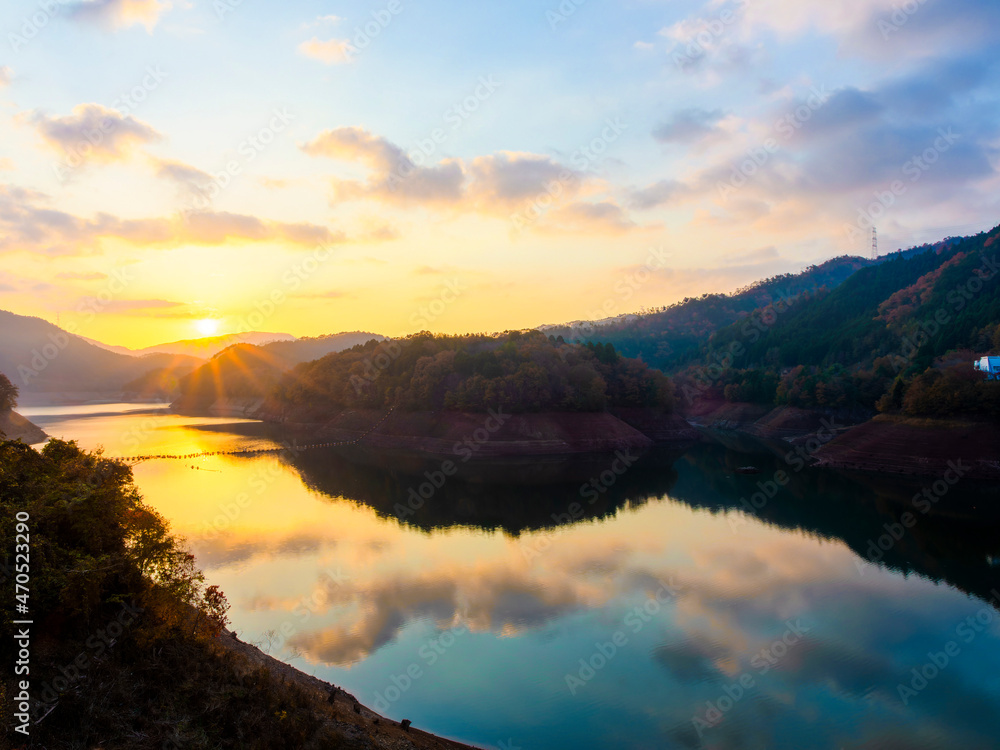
x=516 y=371
x=898 y=329
x=671 y=336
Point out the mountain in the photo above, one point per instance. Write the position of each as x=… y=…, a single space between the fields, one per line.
x=283 y=345
x=898 y=334
x=308 y=348
x=243 y=371
x=204 y=348
x=670 y=336
x=39 y=357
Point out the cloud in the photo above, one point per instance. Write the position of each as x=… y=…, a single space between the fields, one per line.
x=688 y=126
x=714 y=41
x=499 y=185
x=6 y=74
x=272 y=183
x=191 y=180
x=880 y=29
x=131 y=305
x=604 y=217
x=396 y=178
x=29 y=224
x=844 y=109
x=11 y=283
x=220 y=227
x=119 y=14
x=93 y=133
x=508 y=179
x=329 y=51
x=834 y=153
x=322 y=20
x=656 y=194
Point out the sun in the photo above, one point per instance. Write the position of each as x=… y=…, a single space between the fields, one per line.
x=207 y=326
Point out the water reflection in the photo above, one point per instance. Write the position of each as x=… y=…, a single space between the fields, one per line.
x=514 y=495
x=782 y=597
x=866 y=513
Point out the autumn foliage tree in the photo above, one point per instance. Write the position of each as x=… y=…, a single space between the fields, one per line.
x=8 y=394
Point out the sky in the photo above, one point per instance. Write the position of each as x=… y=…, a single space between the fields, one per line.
x=175 y=168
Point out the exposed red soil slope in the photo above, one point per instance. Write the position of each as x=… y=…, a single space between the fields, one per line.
x=920 y=447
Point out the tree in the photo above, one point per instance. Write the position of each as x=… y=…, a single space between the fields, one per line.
x=8 y=394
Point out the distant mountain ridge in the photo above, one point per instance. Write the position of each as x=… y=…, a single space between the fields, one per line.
x=671 y=335
x=203 y=348
x=40 y=357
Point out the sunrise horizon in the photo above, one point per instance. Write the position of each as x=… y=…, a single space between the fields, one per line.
x=351 y=179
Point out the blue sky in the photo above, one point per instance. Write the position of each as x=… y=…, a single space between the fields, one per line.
x=740 y=138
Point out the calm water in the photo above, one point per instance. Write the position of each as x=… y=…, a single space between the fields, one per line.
x=664 y=614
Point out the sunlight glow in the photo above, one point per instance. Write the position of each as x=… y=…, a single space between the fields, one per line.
x=207 y=326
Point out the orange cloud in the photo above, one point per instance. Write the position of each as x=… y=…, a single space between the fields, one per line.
x=93 y=133
x=329 y=51
x=28 y=224
x=529 y=189
x=120 y=14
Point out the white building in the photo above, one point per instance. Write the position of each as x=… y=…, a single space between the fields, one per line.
x=989 y=365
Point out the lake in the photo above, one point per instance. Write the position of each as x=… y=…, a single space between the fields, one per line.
x=609 y=602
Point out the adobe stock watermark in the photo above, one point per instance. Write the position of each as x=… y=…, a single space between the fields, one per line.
x=914 y=168
x=562 y=13
x=627 y=286
x=450 y=291
x=761 y=662
x=758 y=156
x=634 y=622
x=454 y=117
x=223 y=8
x=796 y=460
x=249 y=148
x=581 y=159
x=89 y=307
x=96 y=645
x=466 y=448
x=292 y=279
x=32 y=25
x=275 y=639
x=367 y=32
x=125 y=104
x=928 y=328
x=710 y=32
x=759 y=322
x=262 y=478
x=534 y=545
x=923 y=502
x=387 y=352
x=898 y=18
x=430 y=652
x=937 y=661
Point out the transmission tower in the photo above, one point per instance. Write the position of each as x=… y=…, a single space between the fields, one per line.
x=874 y=244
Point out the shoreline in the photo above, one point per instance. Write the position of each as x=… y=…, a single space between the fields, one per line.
x=363 y=725
x=879 y=444
x=493 y=434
